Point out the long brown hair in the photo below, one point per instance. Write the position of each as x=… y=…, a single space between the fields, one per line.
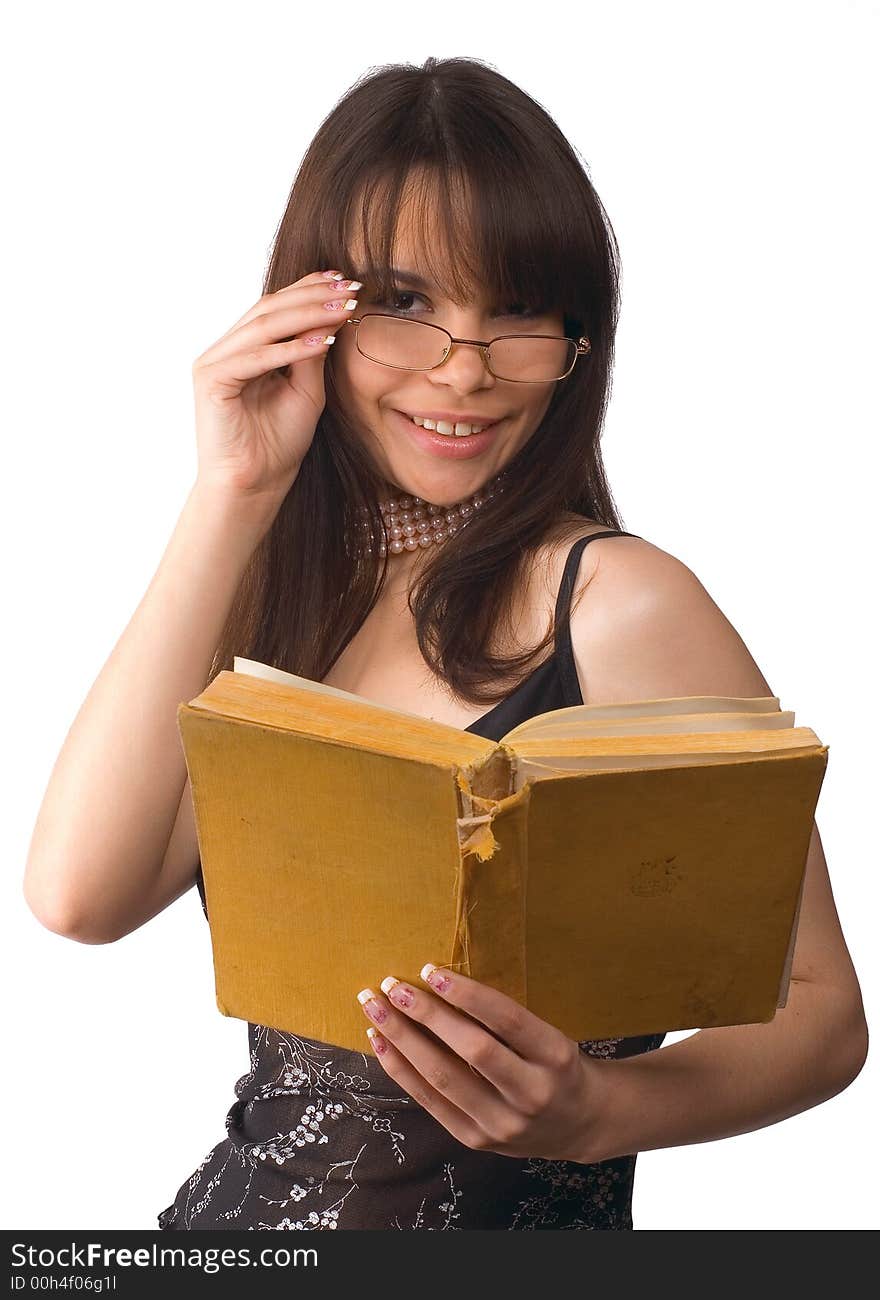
x=532 y=229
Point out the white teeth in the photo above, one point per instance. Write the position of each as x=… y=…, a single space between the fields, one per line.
x=460 y=430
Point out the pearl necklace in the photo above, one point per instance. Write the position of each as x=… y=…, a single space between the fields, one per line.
x=410 y=522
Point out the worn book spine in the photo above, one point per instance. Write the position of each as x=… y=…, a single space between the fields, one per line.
x=489 y=941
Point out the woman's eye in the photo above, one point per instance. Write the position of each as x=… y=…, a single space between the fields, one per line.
x=520 y=309
x=403 y=301
x=394 y=300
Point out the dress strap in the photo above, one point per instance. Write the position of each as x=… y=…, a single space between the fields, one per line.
x=562 y=630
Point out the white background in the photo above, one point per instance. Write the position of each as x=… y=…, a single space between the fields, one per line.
x=149 y=155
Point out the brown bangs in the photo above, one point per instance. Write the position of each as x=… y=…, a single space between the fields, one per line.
x=480 y=238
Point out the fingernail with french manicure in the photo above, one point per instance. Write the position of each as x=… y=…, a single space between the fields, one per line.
x=397 y=992
x=431 y=975
x=372 y=1006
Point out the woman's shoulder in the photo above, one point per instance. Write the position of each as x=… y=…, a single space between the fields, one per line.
x=634 y=560
x=647 y=628
x=632 y=556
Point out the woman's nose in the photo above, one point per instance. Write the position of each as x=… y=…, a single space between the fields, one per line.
x=464 y=368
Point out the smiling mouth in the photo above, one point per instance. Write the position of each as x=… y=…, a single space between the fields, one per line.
x=448 y=429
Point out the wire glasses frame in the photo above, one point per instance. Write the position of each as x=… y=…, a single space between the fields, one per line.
x=582 y=347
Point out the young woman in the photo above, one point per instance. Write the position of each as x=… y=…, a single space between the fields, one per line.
x=400 y=492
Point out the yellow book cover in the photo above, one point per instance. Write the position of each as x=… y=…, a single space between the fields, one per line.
x=619 y=870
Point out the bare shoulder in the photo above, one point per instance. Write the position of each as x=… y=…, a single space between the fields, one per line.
x=550 y=556
x=643 y=626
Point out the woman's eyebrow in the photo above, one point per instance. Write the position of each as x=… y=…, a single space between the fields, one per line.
x=401 y=276
x=410 y=277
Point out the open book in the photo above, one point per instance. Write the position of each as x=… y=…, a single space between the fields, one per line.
x=619 y=870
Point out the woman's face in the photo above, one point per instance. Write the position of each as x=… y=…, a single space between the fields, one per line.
x=381 y=399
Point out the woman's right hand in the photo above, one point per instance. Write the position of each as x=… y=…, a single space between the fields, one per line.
x=254 y=425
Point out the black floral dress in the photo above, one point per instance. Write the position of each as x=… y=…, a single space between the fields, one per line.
x=388 y=1163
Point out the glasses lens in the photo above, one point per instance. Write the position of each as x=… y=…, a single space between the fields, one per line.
x=413 y=345
x=532 y=358
x=405 y=343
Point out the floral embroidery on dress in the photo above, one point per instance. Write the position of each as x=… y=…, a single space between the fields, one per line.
x=318 y=1135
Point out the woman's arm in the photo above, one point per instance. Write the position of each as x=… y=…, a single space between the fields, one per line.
x=115 y=839
x=648 y=629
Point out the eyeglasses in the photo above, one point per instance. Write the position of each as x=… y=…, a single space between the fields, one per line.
x=418 y=345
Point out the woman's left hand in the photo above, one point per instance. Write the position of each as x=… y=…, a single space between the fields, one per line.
x=499 y=1078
